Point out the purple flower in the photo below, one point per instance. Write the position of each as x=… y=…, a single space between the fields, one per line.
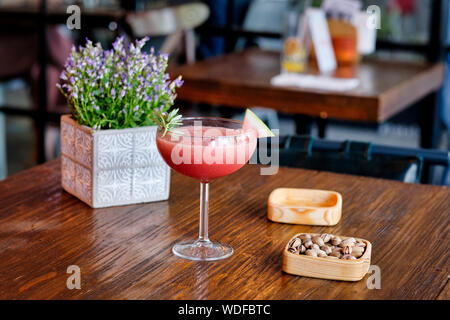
x=92 y=74
x=140 y=43
x=178 y=82
x=118 y=44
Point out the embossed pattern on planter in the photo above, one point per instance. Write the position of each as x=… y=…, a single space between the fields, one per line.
x=83 y=147
x=114 y=185
x=149 y=182
x=83 y=182
x=67 y=139
x=112 y=167
x=68 y=178
x=115 y=150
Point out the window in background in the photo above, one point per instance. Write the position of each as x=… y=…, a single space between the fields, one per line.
x=403 y=20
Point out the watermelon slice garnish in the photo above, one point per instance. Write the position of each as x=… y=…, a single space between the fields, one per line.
x=252 y=122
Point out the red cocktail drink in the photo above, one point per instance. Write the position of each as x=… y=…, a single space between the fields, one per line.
x=206 y=149
x=206 y=153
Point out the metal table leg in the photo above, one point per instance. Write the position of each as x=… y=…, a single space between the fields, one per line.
x=430 y=128
x=303 y=124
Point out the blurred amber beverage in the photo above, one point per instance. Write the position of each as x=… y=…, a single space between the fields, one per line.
x=344 y=40
x=294 y=52
x=294 y=55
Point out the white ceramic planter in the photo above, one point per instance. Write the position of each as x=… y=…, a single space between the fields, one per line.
x=112 y=167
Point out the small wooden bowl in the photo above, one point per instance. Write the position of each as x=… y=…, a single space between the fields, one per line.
x=326 y=268
x=305 y=206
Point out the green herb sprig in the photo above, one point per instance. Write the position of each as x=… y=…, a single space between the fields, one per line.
x=167 y=121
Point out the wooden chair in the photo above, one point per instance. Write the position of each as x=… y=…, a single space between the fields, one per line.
x=176 y=23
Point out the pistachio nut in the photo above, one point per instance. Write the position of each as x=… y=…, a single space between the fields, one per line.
x=347 y=250
x=325 y=237
x=318 y=240
x=335 y=241
x=311 y=253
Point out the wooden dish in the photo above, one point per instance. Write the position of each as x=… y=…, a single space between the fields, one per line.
x=305 y=206
x=326 y=268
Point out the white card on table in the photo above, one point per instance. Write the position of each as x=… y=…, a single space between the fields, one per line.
x=320 y=36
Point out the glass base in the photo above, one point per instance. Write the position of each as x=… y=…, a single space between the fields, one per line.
x=202 y=250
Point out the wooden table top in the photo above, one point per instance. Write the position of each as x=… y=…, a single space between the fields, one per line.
x=125 y=252
x=242 y=79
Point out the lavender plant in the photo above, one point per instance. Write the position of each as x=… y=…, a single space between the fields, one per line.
x=119 y=88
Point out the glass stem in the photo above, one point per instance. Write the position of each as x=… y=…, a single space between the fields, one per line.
x=204 y=199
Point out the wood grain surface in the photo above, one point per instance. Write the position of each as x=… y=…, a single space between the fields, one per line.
x=125 y=252
x=242 y=79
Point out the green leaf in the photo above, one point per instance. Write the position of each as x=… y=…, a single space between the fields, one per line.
x=167 y=121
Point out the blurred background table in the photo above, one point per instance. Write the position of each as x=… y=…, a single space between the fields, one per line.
x=242 y=79
x=125 y=252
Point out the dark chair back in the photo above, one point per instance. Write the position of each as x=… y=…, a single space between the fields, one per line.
x=352 y=158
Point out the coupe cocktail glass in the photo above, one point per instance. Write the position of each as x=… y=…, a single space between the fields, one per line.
x=205 y=149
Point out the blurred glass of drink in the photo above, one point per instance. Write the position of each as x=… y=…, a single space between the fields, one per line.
x=295 y=51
